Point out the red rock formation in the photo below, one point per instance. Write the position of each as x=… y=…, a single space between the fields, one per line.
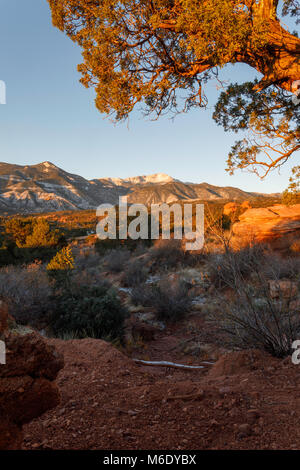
x=26 y=384
x=230 y=208
x=246 y=205
x=269 y=224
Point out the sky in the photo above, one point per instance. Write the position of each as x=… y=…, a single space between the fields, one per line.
x=50 y=116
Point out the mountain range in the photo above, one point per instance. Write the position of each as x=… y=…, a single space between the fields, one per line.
x=45 y=187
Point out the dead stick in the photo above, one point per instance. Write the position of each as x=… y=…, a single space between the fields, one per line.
x=169 y=364
x=195 y=396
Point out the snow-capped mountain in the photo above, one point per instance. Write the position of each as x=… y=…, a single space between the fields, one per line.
x=157 y=178
x=45 y=187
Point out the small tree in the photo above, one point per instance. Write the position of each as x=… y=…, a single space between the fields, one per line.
x=18 y=230
x=42 y=235
x=62 y=261
x=88 y=311
x=292 y=194
x=32 y=233
x=61 y=267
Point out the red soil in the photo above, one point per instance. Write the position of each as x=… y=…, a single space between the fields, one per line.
x=248 y=400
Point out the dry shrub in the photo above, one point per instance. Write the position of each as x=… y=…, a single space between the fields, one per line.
x=117 y=259
x=135 y=274
x=277 y=267
x=168 y=253
x=255 y=320
x=88 y=259
x=170 y=302
x=171 y=254
x=27 y=291
x=228 y=268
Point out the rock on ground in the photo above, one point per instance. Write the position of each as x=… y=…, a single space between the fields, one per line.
x=279 y=225
x=27 y=387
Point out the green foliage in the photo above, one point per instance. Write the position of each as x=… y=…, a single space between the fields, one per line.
x=19 y=230
x=94 y=311
x=60 y=268
x=272 y=123
x=292 y=194
x=162 y=53
x=32 y=233
x=62 y=261
x=291 y=7
x=289 y=198
x=140 y=51
x=226 y=222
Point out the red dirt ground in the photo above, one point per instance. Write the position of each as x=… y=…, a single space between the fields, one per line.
x=247 y=400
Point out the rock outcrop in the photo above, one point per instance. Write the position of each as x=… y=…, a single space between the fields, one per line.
x=230 y=208
x=27 y=387
x=278 y=224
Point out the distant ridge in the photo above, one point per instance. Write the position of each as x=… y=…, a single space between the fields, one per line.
x=157 y=178
x=45 y=187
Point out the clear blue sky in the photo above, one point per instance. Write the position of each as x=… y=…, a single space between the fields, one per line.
x=50 y=116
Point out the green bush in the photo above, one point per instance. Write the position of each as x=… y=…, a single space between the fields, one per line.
x=32 y=233
x=94 y=311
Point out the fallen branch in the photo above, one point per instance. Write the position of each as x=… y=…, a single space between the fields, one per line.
x=170 y=364
x=196 y=396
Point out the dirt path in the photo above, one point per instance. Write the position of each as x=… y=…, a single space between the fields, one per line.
x=108 y=402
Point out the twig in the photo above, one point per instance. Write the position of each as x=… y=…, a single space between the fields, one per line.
x=170 y=364
x=194 y=396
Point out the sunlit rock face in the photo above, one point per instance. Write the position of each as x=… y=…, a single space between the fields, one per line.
x=279 y=225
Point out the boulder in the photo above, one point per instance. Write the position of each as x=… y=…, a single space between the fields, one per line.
x=270 y=224
x=27 y=387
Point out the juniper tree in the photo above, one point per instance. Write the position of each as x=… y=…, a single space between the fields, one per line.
x=155 y=52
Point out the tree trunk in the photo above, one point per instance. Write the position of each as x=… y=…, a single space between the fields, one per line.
x=279 y=62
